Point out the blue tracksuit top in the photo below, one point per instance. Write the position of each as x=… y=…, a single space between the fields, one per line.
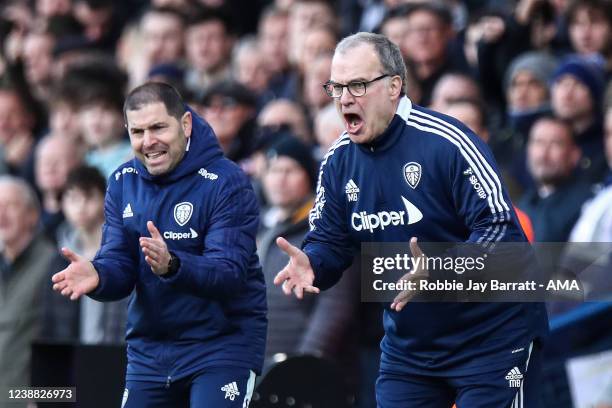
x=212 y=312
x=371 y=193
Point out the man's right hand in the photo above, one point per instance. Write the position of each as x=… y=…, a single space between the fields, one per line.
x=78 y=279
x=297 y=277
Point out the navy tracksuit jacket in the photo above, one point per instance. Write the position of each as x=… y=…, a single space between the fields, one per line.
x=369 y=193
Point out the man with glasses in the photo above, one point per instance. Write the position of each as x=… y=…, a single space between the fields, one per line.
x=401 y=173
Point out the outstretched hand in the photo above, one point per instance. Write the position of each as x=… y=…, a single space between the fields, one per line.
x=76 y=280
x=297 y=277
x=420 y=273
x=155 y=250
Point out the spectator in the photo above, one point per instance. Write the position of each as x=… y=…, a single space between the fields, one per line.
x=577 y=91
x=453 y=86
x=100 y=21
x=229 y=108
x=16 y=131
x=102 y=126
x=552 y=158
x=317 y=325
x=316 y=74
x=56 y=156
x=305 y=15
x=208 y=43
x=328 y=128
x=87 y=321
x=427 y=45
x=283 y=112
x=38 y=61
x=24 y=260
x=472 y=113
x=51 y=8
x=273 y=39
x=590 y=27
x=251 y=69
x=163 y=39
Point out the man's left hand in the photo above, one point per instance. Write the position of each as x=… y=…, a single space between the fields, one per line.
x=155 y=250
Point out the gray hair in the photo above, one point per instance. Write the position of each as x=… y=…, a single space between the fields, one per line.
x=388 y=53
x=27 y=192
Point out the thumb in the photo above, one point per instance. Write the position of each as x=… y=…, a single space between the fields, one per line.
x=414 y=248
x=286 y=247
x=70 y=255
x=153 y=230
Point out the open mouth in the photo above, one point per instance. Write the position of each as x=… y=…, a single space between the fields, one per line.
x=155 y=156
x=353 y=122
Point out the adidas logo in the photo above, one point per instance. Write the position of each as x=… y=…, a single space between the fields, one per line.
x=127 y=211
x=351 y=191
x=231 y=390
x=514 y=378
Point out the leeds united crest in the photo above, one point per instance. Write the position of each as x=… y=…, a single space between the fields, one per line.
x=412 y=173
x=182 y=212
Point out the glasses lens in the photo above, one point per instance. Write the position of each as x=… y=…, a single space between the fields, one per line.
x=329 y=89
x=357 y=88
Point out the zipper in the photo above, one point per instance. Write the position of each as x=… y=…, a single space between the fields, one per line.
x=168 y=380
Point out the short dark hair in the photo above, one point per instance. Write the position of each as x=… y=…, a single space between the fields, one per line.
x=87 y=179
x=203 y=15
x=152 y=92
x=604 y=7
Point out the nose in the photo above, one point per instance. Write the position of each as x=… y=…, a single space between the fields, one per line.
x=346 y=98
x=148 y=139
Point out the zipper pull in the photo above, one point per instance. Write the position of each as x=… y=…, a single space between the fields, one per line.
x=168 y=382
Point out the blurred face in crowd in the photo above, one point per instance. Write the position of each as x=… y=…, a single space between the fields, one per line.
x=162 y=34
x=158 y=139
x=17 y=219
x=84 y=210
x=208 y=46
x=226 y=116
x=316 y=42
x=526 y=92
x=589 y=31
x=64 y=120
x=571 y=99
x=552 y=154
x=303 y=17
x=56 y=156
x=101 y=125
x=96 y=21
x=450 y=88
x=317 y=72
x=274 y=40
x=608 y=136
x=251 y=69
x=14 y=119
x=328 y=128
x=396 y=29
x=470 y=115
x=426 y=38
x=48 y=8
x=283 y=112
x=38 y=58
x=367 y=116
x=286 y=183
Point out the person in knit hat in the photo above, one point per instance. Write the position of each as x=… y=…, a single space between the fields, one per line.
x=317 y=325
x=576 y=97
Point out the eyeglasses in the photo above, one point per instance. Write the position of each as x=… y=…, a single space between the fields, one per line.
x=355 y=88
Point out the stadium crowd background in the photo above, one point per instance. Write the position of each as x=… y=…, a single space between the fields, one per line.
x=531 y=77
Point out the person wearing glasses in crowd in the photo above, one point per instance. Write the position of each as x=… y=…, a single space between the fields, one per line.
x=400 y=160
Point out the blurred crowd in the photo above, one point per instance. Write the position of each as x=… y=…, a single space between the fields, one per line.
x=530 y=77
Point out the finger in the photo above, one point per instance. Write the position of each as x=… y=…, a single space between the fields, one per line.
x=66 y=291
x=58 y=277
x=311 y=289
x=152 y=262
x=414 y=248
x=286 y=247
x=281 y=277
x=299 y=292
x=70 y=255
x=150 y=243
x=153 y=230
x=288 y=287
x=75 y=296
x=58 y=287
